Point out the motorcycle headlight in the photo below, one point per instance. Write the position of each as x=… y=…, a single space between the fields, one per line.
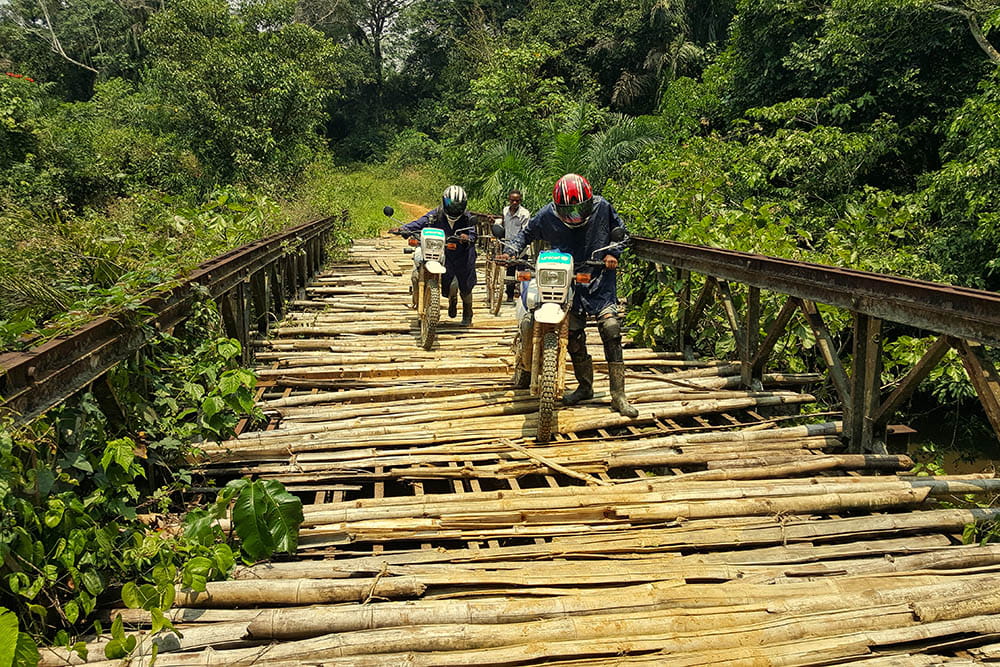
x=434 y=245
x=552 y=277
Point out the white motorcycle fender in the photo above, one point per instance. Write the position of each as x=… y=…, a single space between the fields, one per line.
x=434 y=266
x=550 y=313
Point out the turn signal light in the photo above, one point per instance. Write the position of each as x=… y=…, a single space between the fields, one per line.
x=414 y=242
x=524 y=275
x=583 y=278
x=452 y=246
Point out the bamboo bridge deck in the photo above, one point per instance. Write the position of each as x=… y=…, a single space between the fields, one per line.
x=714 y=529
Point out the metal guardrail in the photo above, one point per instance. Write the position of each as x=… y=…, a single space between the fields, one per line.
x=251 y=284
x=964 y=318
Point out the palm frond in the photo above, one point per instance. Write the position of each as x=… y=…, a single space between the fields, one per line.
x=508 y=166
x=609 y=150
x=564 y=154
x=33 y=293
x=628 y=88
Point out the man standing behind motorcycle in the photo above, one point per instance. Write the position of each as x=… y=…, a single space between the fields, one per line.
x=460 y=263
x=578 y=222
x=515 y=218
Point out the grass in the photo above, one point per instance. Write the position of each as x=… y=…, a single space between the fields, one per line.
x=59 y=270
x=364 y=191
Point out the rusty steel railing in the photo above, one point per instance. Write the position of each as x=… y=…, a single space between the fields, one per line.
x=251 y=286
x=964 y=319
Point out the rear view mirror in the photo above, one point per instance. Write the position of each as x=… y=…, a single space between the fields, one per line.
x=388 y=210
x=497 y=230
x=617 y=235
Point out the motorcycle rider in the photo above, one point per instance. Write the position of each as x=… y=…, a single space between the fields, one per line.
x=578 y=222
x=460 y=264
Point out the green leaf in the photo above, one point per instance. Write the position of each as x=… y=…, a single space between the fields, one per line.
x=26 y=654
x=267 y=518
x=92 y=582
x=72 y=611
x=120 y=451
x=199 y=527
x=228 y=348
x=195 y=573
x=115 y=650
x=224 y=559
x=54 y=514
x=8 y=630
x=211 y=406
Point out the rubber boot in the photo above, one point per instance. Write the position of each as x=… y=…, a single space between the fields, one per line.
x=452 y=305
x=583 y=369
x=619 y=402
x=467 y=310
x=414 y=290
x=523 y=380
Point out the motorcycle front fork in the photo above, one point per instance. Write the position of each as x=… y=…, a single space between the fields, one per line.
x=532 y=336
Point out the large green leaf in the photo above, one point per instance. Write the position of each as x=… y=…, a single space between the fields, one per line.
x=8 y=636
x=26 y=654
x=267 y=518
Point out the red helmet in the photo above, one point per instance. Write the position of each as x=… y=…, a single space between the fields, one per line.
x=573 y=199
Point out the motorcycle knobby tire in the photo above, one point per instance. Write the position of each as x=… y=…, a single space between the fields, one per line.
x=429 y=322
x=547 y=386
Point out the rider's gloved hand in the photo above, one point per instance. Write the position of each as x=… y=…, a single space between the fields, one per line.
x=503 y=257
x=610 y=262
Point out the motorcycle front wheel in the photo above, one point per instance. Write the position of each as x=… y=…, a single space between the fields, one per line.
x=547 y=386
x=432 y=312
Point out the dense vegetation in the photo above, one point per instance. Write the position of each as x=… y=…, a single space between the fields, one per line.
x=137 y=139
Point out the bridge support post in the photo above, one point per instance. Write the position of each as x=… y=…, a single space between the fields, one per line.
x=866 y=384
x=274 y=289
x=261 y=301
x=751 y=375
x=683 y=309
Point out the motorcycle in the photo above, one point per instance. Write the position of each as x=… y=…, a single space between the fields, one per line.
x=428 y=247
x=542 y=312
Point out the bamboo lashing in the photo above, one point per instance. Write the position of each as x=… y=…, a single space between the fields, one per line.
x=713 y=529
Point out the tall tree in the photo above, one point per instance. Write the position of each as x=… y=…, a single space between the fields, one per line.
x=75 y=42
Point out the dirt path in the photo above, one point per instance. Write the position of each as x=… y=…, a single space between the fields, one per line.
x=413 y=210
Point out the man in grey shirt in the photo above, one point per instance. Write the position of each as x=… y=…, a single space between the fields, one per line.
x=515 y=217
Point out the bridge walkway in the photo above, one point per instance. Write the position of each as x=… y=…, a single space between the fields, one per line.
x=720 y=527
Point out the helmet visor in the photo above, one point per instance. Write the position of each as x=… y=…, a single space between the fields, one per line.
x=454 y=208
x=575 y=215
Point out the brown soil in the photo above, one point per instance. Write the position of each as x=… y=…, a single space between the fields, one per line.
x=414 y=211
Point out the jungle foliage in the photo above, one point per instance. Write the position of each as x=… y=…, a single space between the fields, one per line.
x=139 y=138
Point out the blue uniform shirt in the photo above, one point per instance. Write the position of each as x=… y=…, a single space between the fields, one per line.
x=580 y=242
x=459 y=263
